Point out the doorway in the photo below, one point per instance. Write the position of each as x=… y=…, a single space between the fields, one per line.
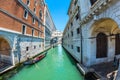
x=117 y=44
x=102 y=45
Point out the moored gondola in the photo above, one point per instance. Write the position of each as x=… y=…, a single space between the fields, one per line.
x=35 y=60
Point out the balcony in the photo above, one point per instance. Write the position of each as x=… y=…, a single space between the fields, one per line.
x=95 y=9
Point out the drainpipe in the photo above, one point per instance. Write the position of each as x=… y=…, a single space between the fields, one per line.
x=81 y=38
x=81 y=44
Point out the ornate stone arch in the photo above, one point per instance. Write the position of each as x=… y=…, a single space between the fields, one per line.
x=115 y=17
x=6 y=49
x=105 y=25
x=8 y=40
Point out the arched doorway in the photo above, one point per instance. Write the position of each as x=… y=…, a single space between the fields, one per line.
x=117 y=44
x=101 y=45
x=5 y=54
x=104 y=43
x=4 y=47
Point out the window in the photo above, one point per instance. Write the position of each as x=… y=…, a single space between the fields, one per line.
x=32 y=32
x=40 y=14
x=35 y=3
x=27 y=48
x=71 y=46
x=41 y=2
x=34 y=10
x=23 y=29
x=39 y=45
x=77 y=16
x=72 y=33
x=78 y=49
x=92 y=1
x=34 y=47
x=28 y=2
x=78 y=30
x=68 y=35
x=75 y=2
x=71 y=24
x=33 y=20
x=25 y=14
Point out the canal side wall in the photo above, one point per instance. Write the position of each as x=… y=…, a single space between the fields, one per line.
x=101 y=17
x=89 y=45
x=47 y=38
x=22 y=46
x=72 y=54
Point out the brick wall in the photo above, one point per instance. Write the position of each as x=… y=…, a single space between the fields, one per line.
x=15 y=8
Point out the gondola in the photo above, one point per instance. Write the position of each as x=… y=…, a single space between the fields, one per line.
x=35 y=60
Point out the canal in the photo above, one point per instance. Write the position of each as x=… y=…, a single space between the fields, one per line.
x=57 y=65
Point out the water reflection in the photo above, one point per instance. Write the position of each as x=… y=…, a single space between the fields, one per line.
x=56 y=65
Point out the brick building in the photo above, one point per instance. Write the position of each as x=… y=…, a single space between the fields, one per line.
x=21 y=29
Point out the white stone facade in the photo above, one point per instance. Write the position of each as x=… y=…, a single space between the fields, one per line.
x=101 y=17
x=71 y=39
x=49 y=27
x=57 y=34
x=19 y=43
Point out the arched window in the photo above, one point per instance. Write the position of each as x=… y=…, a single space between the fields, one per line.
x=117 y=44
x=25 y=14
x=33 y=20
x=40 y=14
x=102 y=45
x=34 y=10
x=28 y=2
x=32 y=32
x=35 y=3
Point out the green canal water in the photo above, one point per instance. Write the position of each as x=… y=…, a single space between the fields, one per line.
x=57 y=65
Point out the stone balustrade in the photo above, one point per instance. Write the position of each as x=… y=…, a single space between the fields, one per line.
x=95 y=9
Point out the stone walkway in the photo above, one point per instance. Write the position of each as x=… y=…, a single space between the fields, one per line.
x=4 y=66
x=118 y=72
x=104 y=69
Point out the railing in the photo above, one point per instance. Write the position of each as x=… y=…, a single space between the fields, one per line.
x=96 y=7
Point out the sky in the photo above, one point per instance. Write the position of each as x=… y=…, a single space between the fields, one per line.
x=58 y=10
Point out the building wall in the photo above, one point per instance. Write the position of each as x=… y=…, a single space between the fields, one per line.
x=16 y=9
x=19 y=44
x=70 y=42
x=102 y=16
x=12 y=19
x=109 y=13
x=47 y=37
x=49 y=27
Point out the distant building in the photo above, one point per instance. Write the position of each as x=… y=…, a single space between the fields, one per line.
x=92 y=34
x=49 y=27
x=21 y=29
x=58 y=35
